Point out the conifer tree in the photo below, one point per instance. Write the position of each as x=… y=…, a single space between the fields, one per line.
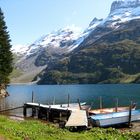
x=5 y=53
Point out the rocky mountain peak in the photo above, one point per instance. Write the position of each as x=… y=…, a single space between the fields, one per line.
x=94 y=21
x=119 y=4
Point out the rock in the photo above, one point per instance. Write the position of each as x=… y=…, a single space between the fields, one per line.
x=3 y=92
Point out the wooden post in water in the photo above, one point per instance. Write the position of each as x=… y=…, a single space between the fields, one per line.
x=24 y=111
x=101 y=103
x=116 y=107
x=79 y=104
x=54 y=100
x=130 y=113
x=68 y=100
x=32 y=97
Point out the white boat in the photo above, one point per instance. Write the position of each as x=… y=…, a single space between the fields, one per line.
x=103 y=120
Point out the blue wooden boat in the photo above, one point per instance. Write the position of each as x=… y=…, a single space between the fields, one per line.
x=103 y=120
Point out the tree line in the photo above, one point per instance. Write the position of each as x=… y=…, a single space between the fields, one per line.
x=6 y=57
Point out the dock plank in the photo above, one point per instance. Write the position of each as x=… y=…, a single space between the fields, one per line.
x=58 y=107
x=77 y=118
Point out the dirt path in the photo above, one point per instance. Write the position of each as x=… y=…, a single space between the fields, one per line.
x=135 y=127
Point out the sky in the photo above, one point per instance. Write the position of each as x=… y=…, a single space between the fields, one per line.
x=28 y=20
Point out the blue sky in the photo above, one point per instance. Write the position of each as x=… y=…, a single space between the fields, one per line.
x=27 y=20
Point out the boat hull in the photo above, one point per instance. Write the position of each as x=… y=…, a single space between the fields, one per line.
x=114 y=118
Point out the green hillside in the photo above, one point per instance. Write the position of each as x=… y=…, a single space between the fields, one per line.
x=113 y=58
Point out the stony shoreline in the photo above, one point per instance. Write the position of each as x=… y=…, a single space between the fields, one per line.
x=135 y=127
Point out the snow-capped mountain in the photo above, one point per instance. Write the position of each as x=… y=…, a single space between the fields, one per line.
x=57 y=39
x=65 y=40
x=124 y=10
x=121 y=4
x=19 y=49
x=56 y=45
x=121 y=11
x=93 y=24
x=70 y=38
x=59 y=42
x=51 y=46
x=108 y=54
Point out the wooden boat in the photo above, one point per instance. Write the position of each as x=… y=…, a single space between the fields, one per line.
x=114 y=118
x=109 y=110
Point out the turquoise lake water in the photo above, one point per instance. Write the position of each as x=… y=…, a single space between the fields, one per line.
x=19 y=94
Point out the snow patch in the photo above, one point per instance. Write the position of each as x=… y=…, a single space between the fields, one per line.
x=19 y=49
x=71 y=37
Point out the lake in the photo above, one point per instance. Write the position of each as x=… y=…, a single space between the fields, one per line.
x=19 y=94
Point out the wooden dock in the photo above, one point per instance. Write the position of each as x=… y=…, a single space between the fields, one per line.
x=77 y=118
x=47 y=112
x=74 y=117
x=70 y=107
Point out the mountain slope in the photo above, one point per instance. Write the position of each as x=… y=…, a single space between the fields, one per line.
x=104 y=62
x=120 y=12
x=32 y=59
x=109 y=54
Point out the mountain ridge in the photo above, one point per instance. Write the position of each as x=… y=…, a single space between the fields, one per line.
x=70 y=64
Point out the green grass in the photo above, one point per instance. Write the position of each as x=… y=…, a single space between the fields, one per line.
x=36 y=130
